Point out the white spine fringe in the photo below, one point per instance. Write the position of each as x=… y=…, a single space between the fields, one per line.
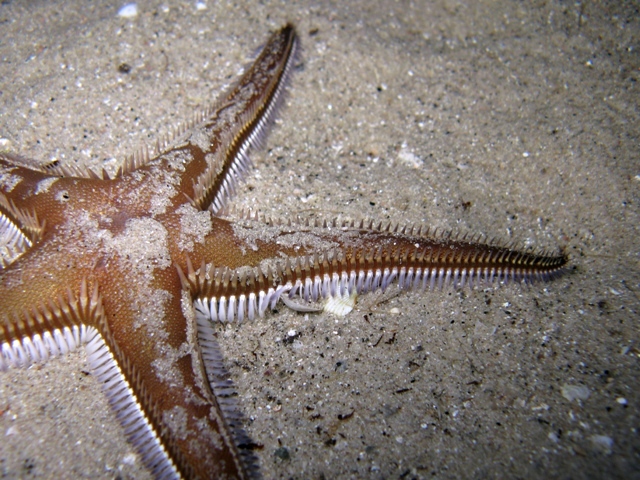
x=228 y=309
x=241 y=163
x=127 y=408
x=39 y=348
x=13 y=242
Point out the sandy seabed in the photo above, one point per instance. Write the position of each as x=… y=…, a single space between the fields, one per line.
x=513 y=119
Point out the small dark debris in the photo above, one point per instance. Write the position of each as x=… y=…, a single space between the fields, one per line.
x=289 y=339
x=282 y=453
x=346 y=416
x=124 y=68
x=413 y=365
x=465 y=205
x=331 y=442
x=28 y=465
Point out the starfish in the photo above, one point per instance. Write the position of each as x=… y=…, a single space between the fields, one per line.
x=107 y=261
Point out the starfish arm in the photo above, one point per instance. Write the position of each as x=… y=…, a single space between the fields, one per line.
x=20 y=226
x=240 y=118
x=33 y=202
x=50 y=329
x=213 y=147
x=45 y=300
x=153 y=361
x=19 y=230
x=164 y=402
x=23 y=183
x=263 y=262
x=153 y=371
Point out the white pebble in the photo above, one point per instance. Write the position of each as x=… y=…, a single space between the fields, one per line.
x=575 y=392
x=621 y=400
x=602 y=443
x=129 y=10
x=409 y=158
x=129 y=459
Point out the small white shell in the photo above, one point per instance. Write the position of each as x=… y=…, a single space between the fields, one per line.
x=341 y=305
